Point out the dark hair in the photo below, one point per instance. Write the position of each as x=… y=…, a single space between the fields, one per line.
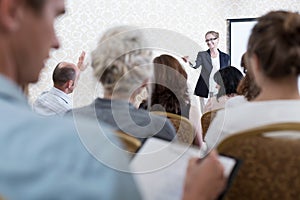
x=63 y=74
x=170 y=88
x=275 y=40
x=228 y=79
x=247 y=86
x=243 y=63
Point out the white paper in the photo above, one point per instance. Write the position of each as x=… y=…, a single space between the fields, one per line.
x=159 y=168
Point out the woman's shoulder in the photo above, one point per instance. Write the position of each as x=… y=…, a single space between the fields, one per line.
x=202 y=53
x=210 y=104
x=234 y=101
x=223 y=53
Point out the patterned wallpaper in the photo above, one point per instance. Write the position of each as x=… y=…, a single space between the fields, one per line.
x=85 y=20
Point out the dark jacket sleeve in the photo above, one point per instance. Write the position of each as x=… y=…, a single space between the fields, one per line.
x=198 y=61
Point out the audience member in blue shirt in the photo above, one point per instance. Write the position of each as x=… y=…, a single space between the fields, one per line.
x=57 y=100
x=45 y=158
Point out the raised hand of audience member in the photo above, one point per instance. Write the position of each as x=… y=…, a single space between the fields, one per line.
x=80 y=63
x=204 y=180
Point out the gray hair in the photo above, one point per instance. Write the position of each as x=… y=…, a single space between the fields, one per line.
x=120 y=61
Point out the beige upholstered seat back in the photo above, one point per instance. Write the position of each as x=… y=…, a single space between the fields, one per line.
x=206 y=119
x=130 y=143
x=270 y=162
x=184 y=128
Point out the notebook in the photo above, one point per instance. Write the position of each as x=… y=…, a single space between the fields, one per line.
x=159 y=168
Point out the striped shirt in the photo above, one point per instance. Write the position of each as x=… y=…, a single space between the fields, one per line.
x=53 y=102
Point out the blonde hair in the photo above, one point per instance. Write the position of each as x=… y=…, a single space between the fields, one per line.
x=120 y=61
x=214 y=33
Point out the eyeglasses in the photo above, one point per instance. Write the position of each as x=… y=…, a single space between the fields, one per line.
x=211 y=39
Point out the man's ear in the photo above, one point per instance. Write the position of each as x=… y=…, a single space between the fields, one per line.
x=10 y=14
x=70 y=83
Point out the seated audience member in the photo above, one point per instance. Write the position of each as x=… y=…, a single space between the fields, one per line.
x=247 y=89
x=170 y=90
x=44 y=158
x=274 y=62
x=57 y=101
x=123 y=74
x=227 y=80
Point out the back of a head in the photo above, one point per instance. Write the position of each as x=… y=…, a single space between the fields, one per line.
x=61 y=75
x=228 y=78
x=275 y=40
x=120 y=61
x=170 y=89
x=169 y=72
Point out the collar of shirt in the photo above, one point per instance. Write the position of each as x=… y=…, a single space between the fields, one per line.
x=61 y=95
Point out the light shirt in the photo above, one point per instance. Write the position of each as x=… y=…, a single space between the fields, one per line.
x=235 y=101
x=212 y=84
x=44 y=158
x=53 y=102
x=250 y=115
x=214 y=104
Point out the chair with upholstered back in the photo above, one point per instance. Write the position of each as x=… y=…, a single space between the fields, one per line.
x=130 y=143
x=206 y=119
x=270 y=162
x=184 y=128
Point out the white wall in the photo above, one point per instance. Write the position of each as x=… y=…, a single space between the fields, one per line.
x=85 y=20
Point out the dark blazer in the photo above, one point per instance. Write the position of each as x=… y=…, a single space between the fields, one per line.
x=204 y=59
